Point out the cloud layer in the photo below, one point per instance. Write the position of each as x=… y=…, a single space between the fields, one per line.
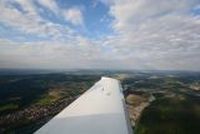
x=147 y=34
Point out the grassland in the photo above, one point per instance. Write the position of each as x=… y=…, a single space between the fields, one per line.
x=8 y=107
x=176 y=108
x=171 y=115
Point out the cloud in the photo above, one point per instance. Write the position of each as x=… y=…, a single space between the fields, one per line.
x=155 y=36
x=50 y=4
x=48 y=54
x=29 y=21
x=129 y=12
x=74 y=15
x=145 y=36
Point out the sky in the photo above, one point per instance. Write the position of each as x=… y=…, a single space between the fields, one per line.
x=100 y=34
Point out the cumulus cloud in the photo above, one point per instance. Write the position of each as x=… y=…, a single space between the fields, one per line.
x=147 y=34
x=156 y=34
x=47 y=54
x=74 y=15
x=29 y=21
x=50 y=4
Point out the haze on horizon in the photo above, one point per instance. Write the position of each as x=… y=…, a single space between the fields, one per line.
x=106 y=34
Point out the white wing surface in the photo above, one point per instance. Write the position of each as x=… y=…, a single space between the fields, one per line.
x=100 y=110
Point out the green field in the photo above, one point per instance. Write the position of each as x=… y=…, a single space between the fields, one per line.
x=27 y=102
x=173 y=115
x=8 y=107
x=25 y=99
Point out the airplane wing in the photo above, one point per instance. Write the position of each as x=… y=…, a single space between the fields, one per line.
x=100 y=110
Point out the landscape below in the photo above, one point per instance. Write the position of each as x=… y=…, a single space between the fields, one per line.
x=159 y=102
